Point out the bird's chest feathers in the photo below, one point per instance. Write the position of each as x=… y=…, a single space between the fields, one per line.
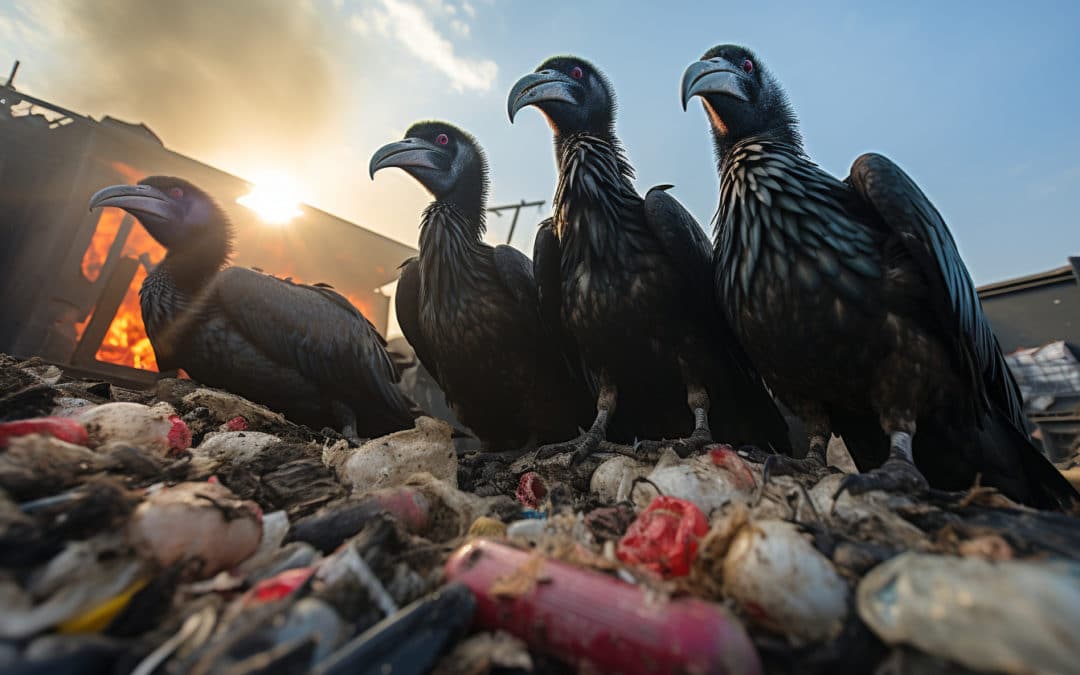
x=792 y=267
x=458 y=280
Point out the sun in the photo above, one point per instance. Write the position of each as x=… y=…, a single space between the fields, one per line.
x=274 y=198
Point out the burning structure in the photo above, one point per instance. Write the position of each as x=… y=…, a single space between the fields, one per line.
x=69 y=278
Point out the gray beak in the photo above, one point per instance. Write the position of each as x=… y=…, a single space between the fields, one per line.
x=546 y=85
x=411 y=152
x=715 y=76
x=138 y=200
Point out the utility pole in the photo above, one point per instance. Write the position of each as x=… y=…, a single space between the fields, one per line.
x=497 y=210
x=11 y=77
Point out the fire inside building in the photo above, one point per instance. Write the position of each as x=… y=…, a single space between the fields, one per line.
x=69 y=278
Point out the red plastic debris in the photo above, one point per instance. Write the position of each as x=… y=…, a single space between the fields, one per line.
x=531 y=490
x=237 y=423
x=725 y=456
x=594 y=621
x=664 y=538
x=280 y=586
x=179 y=434
x=63 y=428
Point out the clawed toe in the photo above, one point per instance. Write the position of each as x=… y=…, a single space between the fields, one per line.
x=894 y=475
x=683 y=447
x=782 y=465
x=580 y=447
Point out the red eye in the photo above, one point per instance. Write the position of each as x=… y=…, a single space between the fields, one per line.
x=176 y=193
x=442 y=139
x=748 y=65
x=577 y=73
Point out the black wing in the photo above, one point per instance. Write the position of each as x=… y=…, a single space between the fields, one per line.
x=951 y=295
x=407 y=307
x=314 y=330
x=547 y=272
x=516 y=274
x=683 y=240
x=687 y=245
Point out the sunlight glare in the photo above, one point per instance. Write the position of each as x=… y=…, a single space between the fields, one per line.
x=274 y=198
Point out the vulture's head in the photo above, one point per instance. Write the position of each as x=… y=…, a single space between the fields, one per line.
x=174 y=212
x=572 y=94
x=447 y=161
x=740 y=96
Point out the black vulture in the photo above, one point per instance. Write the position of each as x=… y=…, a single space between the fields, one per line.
x=854 y=303
x=302 y=350
x=628 y=280
x=470 y=310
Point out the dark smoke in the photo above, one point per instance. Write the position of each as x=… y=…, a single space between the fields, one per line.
x=205 y=75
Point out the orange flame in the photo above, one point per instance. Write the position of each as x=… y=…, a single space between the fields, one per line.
x=125 y=342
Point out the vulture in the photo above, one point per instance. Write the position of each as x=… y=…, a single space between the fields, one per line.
x=302 y=350
x=627 y=280
x=852 y=300
x=470 y=310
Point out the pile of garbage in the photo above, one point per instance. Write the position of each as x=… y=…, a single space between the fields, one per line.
x=186 y=529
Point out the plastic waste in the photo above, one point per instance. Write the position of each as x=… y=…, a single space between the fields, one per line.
x=224 y=407
x=389 y=461
x=487 y=527
x=531 y=490
x=780 y=581
x=154 y=428
x=709 y=481
x=595 y=622
x=98 y=617
x=614 y=480
x=664 y=538
x=61 y=428
x=1009 y=616
x=236 y=447
x=35 y=465
x=409 y=642
x=329 y=527
x=203 y=522
x=84 y=576
x=278 y=587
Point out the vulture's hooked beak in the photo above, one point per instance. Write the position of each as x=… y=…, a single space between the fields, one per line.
x=139 y=201
x=546 y=85
x=410 y=152
x=715 y=76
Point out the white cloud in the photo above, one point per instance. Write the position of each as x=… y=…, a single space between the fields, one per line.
x=359 y=25
x=460 y=27
x=468 y=9
x=407 y=23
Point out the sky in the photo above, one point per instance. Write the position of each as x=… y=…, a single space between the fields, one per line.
x=977 y=101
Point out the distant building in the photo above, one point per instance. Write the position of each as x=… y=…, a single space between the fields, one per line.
x=1037 y=321
x=69 y=278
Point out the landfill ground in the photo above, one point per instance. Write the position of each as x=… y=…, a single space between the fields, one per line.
x=186 y=530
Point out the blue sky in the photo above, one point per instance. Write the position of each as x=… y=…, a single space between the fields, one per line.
x=976 y=100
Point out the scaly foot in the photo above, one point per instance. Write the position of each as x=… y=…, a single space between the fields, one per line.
x=581 y=447
x=683 y=447
x=896 y=475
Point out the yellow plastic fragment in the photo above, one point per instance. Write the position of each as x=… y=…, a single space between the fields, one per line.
x=97 y=618
x=487 y=527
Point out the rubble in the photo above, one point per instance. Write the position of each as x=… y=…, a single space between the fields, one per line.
x=189 y=530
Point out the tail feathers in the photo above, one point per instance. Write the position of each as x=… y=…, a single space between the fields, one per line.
x=1041 y=485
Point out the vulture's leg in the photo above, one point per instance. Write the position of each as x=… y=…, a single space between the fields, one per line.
x=697 y=398
x=818 y=429
x=898 y=473
x=592 y=440
x=347 y=419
